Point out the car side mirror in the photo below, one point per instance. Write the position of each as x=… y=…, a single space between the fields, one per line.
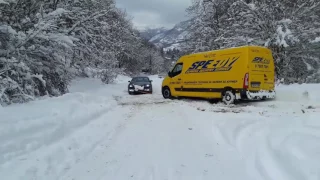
x=150 y=80
x=129 y=81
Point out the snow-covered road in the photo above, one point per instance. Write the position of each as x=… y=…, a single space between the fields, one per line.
x=99 y=132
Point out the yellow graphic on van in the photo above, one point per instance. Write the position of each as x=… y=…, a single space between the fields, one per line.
x=212 y=66
x=260 y=60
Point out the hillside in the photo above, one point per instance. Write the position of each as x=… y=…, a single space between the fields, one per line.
x=149 y=33
x=168 y=39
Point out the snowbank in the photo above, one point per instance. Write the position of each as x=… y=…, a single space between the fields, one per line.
x=122 y=79
x=45 y=137
x=85 y=84
x=298 y=92
x=94 y=84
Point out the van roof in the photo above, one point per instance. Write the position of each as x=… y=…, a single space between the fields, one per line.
x=239 y=47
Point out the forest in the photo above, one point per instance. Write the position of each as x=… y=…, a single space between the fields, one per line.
x=44 y=44
x=290 y=28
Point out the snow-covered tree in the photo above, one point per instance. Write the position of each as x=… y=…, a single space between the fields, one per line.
x=209 y=25
x=151 y=58
x=44 y=44
x=289 y=28
x=286 y=27
x=35 y=56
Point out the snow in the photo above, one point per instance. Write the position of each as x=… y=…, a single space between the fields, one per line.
x=63 y=39
x=122 y=79
x=39 y=77
x=98 y=131
x=57 y=12
x=156 y=37
x=309 y=67
x=282 y=35
x=285 y=21
x=3 y=2
x=252 y=6
x=172 y=38
x=9 y=29
x=316 y=40
x=172 y=47
x=7 y=1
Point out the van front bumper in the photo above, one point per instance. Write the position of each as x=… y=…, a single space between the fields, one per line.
x=257 y=95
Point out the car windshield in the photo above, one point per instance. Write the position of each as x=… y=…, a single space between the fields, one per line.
x=140 y=79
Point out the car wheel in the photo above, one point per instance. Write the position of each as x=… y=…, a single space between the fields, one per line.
x=166 y=93
x=228 y=97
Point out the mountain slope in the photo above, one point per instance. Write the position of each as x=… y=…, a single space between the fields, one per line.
x=149 y=33
x=169 y=39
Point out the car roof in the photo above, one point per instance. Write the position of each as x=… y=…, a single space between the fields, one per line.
x=141 y=77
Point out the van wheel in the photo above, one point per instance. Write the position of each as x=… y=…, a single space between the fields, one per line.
x=166 y=93
x=228 y=97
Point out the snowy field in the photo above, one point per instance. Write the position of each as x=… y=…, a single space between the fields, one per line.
x=99 y=132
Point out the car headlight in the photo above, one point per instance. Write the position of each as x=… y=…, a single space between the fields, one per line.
x=130 y=85
x=148 y=85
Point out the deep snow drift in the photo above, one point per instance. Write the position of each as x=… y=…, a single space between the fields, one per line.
x=99 y=132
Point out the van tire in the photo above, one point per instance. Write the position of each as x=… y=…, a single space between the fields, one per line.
x=166 y=93
x=228 y=97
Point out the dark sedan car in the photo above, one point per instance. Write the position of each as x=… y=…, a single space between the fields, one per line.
x=140 y=85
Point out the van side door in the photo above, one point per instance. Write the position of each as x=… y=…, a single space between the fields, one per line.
x=176 y=80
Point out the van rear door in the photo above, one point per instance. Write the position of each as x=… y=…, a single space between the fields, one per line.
x=261 y=69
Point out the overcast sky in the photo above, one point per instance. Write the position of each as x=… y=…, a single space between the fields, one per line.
x=155 y=13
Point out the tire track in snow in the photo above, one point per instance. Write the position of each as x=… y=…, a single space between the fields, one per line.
x=35 y=137
x=259 y=158
x=92 y=142
x=140 y=100
x=64 y=134
x=100 y=155
x=243 y=132
x=221 y=135
x=277 y=157
x=150 y=173
x=117 y=165
x=254 y=138
x=142 y=164
x=268 y=163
